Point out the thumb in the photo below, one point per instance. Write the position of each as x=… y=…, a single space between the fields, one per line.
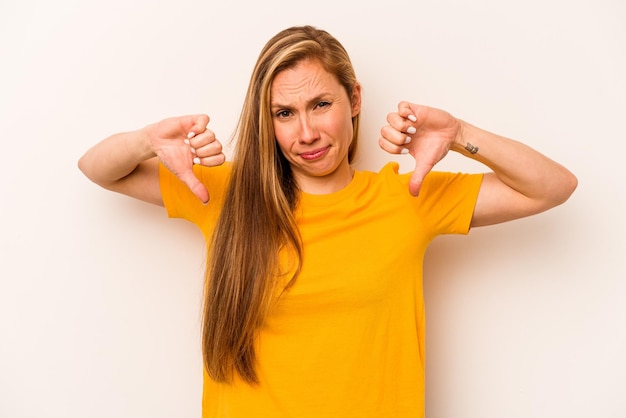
x=195 y=186
x=415 y=184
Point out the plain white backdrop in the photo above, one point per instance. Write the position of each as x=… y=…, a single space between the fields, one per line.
x=100 y=294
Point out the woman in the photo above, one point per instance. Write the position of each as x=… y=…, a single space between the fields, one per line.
x=314 y=302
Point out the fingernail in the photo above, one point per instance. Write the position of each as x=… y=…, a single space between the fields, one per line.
x=196 y=160
x=186 y=141
x=404 y=151
x=411 y=130
x=407 y=140
x=190 y=135
x=412 y=118
x=193 y=150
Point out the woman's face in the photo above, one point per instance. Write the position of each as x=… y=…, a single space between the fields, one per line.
x=312 y=116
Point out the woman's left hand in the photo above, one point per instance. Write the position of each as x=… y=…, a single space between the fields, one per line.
x=424 y=132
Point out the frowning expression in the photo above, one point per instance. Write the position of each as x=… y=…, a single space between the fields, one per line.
x=312 y=117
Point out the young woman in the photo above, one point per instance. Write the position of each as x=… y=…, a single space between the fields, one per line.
x=314 y=302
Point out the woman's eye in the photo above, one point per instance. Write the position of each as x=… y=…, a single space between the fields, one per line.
x=323 y=104
x=282 y=114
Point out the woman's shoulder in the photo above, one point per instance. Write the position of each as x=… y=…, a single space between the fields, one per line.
x=215 y=175
x=391 y=178
x=391 y=171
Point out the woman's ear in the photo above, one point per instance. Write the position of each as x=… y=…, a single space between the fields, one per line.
x=356 y=99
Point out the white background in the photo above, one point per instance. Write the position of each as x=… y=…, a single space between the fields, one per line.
x=100 y=294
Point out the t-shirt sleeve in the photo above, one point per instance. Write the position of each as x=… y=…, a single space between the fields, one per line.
x=447 y=201
x=180 y=202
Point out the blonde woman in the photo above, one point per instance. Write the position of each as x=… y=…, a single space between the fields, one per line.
x=314 y=304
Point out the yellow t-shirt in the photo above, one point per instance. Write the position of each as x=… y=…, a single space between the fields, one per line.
x=347 y=340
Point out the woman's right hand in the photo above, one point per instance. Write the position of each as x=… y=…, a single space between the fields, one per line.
x=180 y=142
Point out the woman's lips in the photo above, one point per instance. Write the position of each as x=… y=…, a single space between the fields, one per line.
x=314 y=155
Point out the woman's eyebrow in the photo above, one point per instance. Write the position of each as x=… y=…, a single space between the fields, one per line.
x=315 y=99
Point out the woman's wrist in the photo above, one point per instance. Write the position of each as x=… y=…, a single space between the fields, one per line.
x=463 y=142
x=141 y=142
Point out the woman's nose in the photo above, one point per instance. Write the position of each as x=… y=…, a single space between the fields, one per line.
x=308 y=131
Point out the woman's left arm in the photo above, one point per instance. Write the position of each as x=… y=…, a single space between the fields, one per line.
x=523 y=182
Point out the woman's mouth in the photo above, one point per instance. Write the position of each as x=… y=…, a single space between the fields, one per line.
x=315 y=154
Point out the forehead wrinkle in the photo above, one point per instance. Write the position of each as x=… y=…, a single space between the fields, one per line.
x=313 y=84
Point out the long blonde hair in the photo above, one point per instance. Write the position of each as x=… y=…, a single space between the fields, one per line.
x=257 y=220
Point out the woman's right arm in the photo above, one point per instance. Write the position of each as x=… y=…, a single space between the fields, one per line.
x=128 y=162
